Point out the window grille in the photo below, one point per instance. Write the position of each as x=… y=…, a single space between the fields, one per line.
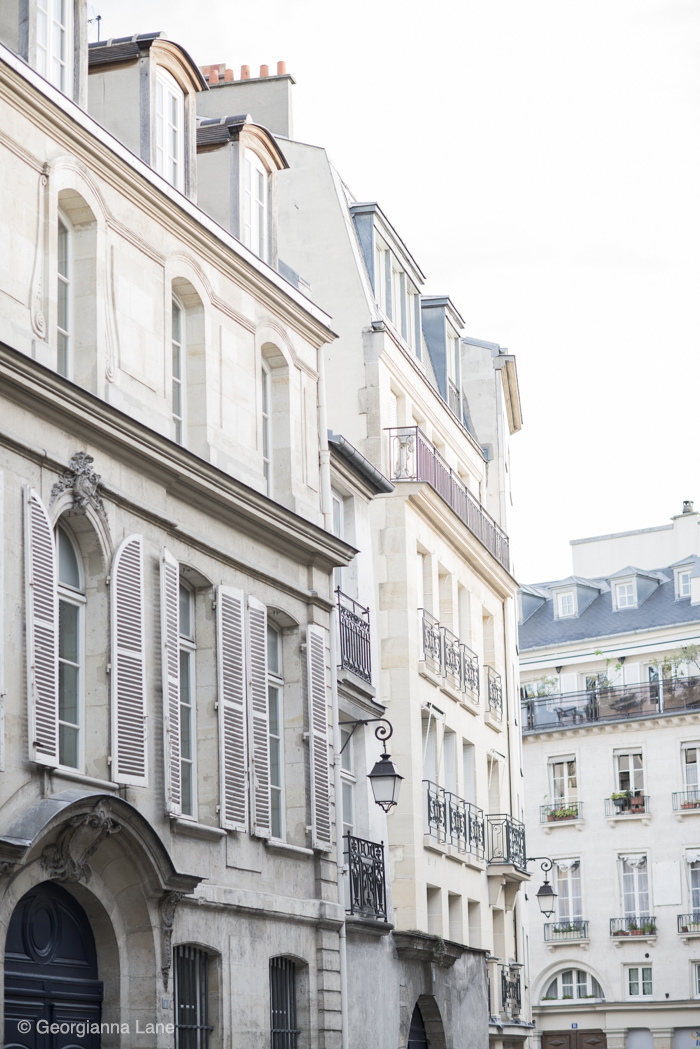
x=192 y=1027
x=283 y=1004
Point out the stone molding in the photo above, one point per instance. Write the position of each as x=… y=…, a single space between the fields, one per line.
x=66 y=859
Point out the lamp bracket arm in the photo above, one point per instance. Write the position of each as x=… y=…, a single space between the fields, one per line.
x=383 y=731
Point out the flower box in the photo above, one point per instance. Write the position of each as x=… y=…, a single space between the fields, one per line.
x=690 y=804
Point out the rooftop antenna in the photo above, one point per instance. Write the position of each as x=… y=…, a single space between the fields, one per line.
x=98 y=19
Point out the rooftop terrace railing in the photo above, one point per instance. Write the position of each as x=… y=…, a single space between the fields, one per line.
x=413 y=457
x=620 y=703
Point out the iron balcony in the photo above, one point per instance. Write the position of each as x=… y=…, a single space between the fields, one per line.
x=506 y=841
x=412 y=457
x=453 y=821
x=686 y=800
x=628 y=803
x=355 y=648
x=564 y=710
x=689 y=923
x=495 y=692
x=561 y=811
x=366 y=880
x=644 y=925
x=446 y=655
x=566 y=929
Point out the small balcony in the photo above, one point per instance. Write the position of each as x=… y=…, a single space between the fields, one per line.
x=561 y=812
x=448 y=657
x=642 y=927
x=566 y=931
x=495 y=693
x=505 y=840
x=413 y=457
x=627 y=803
x=686 y=801
x=355 y=649
x=689 y=926
x=453 y=821
x=366 y=882
x=511 y=998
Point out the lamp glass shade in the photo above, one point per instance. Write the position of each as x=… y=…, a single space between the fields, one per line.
x=546 y=897
x=386 y=783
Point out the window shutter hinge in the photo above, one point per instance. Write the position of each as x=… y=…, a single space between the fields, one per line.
x=309 y=829
x=218 y=808
x=305 y=736
x=216 y=706
x=108 y=580
x=109 y=760
x=109 y=668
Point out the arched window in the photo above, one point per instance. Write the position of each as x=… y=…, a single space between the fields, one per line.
x=170 y=128
x=71 y=654
x=266 y=402
x=188 y=731
x=571 y=984
x=179 y=363
x=255 y=205
x=64 y=311
x=275 y=683
x=54 y=44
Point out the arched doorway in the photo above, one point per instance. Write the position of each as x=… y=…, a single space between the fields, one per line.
x=417 y=1038
x=51 y=972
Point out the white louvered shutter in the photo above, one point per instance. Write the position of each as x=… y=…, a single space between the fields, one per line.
x=42 y=630
x=232 y=681
x=258 y=720
x=318 y=738
x=129 y=763
x=170 y=640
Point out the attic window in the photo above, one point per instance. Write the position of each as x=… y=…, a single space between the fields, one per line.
x=625 y=596
x=566 y=605
x=170 y=128
x=683 y=583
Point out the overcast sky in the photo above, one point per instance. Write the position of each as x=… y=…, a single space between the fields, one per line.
x=541 y=160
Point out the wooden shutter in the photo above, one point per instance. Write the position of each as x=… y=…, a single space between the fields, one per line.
x=233 y=743
x=258 y=720
x=42 y=630
x=170 y=640
x=128 y=665
x=318 y=738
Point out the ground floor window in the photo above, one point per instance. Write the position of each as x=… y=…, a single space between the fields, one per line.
x=283 y=1004
x=639 y=981
x=192 y=1026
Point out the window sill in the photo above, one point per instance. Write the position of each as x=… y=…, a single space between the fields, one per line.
x=628 y=817
x=190 y=829
x=548 y=827
x=275 y=845
x=429 y=675
x=73 y=776
x=492 y=721
x=650 y=938
x=682 y=814
x=582 y=942
x=557 y=1003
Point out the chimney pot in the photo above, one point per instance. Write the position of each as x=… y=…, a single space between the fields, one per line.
x=281 y=68
x=245 y=72
x=687 y=506
x=213 y=75
x=228 y=74
x=264 y=70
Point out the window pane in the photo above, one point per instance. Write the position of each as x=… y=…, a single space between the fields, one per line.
x=273 y=705
x=68 y=679
x=348 y=806
x=187 y=788
x=346 y=744
x=273 y=660
x=283 y=1006
x=68 y=618
x=62 y=249
x=191 y=1004
x=68 y=746
x=633 y=981
x=68 y=569
x=185 y=603
x=567 y=984
x=177 y=321
x=581 y=984
x=646 y=980
x=552 y=990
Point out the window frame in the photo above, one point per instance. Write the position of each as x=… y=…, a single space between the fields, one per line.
x=575 y=985
x=65 y=79
x=181 y=379
x=632 y=752
x=266 y=421
x=641 y=982
x=188 y=645
x=632 y=602
x=685 y=765
x=348 y=776
x=64 y=280
x=167 y=86
x=567 y=796
x=637 y=892
x=78 y=599
x=561 y=614
x=275 y=680
x=201 y=1036
x=254 y=237
x=570 y=896
x=681 y=573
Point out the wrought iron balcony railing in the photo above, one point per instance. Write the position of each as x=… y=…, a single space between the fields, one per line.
x=446 y=655
x=495 y=692
x=453 y=821
x=510 y=992
x=506 y=841
x=413 y=457
x=355 y=648
x=686 y=799
x=618 y=703
x=644 y=925
x=689 y=923
x=561 y=811
x=565 y=929
x=366 y=878
x=627 y=803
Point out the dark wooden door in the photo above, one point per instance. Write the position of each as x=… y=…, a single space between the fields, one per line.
x=51 y=973
x=417 y=1038
x=574 y=1039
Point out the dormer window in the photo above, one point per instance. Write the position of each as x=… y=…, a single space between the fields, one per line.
x=683 y=583
x=170 y=128
x=255 y=205
x=566 y=605
x=625 y=596
x=54 y=41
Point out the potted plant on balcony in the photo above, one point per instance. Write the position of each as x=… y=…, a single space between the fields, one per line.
x=621 y=800
x=637 y=803
x=691 y=804
x=649 y=928
x=568 y=812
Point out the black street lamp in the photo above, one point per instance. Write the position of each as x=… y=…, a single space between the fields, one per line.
x=545 y=896
x=385 y=780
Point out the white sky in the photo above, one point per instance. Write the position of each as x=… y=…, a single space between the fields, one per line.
x=540 y=158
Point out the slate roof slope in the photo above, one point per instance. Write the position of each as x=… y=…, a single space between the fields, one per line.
x=660 y=609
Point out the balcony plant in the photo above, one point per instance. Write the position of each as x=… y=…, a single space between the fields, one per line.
x=570 y=812
x=691 y=804
x=574 y=927
x=621 y=799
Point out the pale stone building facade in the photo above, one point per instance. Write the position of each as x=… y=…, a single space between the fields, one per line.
x=611 y=725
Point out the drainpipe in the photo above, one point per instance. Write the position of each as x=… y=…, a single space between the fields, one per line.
x=327 y=509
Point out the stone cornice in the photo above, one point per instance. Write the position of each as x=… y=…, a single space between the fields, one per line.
x=56 y=400
x=74 y=130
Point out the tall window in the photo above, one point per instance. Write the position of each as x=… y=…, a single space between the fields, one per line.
x=398 y=309
x=381 y=257
x=71 y=659
x=630 y=772
x=191 y=1005
x=53 y=41
x=625 y=596
x=347 y=774
x=276 y=724
x=573 y=983
x=684 y=584
x=635 y=886
x=569 y=890
x=339 y=531
x=283 y=1004
x=170 y=128
x=566 y=605
x=63 y=298
x=468 y=772
x=690 y=767
x=187 y=700
x=639 y=981
x=563 y=781
x=178 y=361
x=449 y=746
x=696 y=968
x=255 y=205
x=695 y=887
x=265 y=379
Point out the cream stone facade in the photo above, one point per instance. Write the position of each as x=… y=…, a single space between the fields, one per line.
x=610 y=691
